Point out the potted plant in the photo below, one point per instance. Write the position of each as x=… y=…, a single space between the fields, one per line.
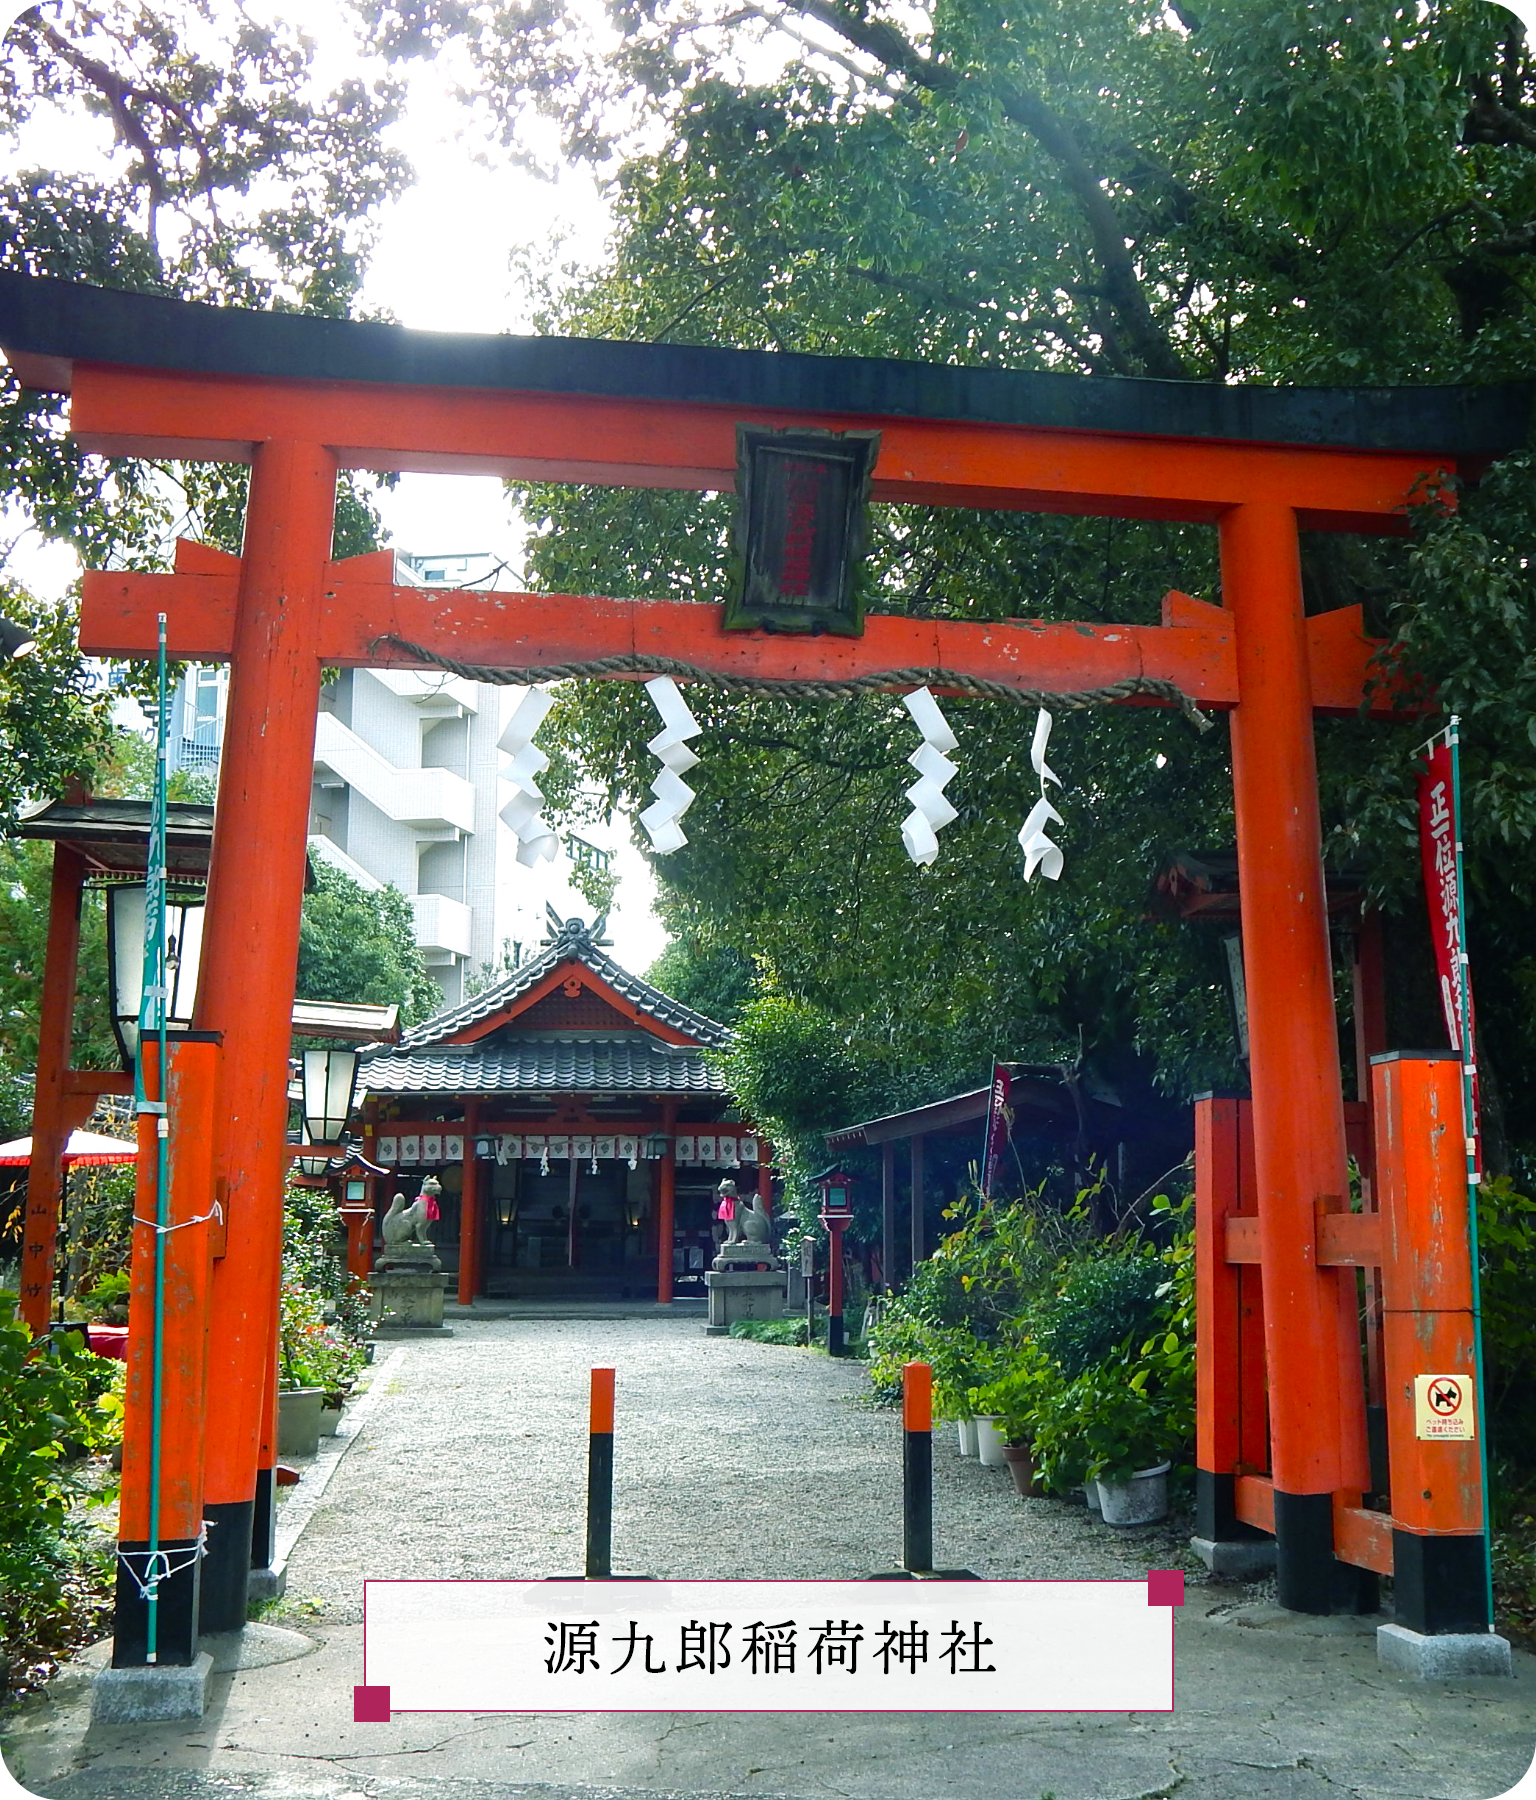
x=300 y=1395
x=1013 y=1403
x=1126 y=1437
x=960 y=1362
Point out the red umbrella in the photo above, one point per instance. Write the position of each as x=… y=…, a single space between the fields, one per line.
x=84 y=1149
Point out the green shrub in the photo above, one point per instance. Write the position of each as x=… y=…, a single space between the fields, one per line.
x=961 y=1312
x=770 y=1331
x=311 y=1352
x=98 y=1226
x=107 y=1294
x=1104 y=1299
x=48 y=1405
x=1506 y=1223
x=1133 y=1404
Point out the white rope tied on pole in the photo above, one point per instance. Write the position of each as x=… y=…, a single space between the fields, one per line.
x=931 y=811
x=214 y=1212
x=158 y=1566
x=523 y=814
x=1039 y=851
x=670 y=748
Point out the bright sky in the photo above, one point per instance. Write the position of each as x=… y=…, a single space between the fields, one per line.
x=450 y=258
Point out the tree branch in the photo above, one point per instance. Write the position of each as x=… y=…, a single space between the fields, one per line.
x=1122 y=285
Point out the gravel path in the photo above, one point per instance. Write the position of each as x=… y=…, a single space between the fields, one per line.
x=732 y=1459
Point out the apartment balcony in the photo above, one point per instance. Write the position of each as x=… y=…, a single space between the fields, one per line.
x=442 y=926
x=435 y=801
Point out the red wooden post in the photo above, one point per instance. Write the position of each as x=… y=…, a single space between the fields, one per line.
x=50 y=1108
x=765 y=1174
x=917 y=1234
x=469 y=1213
x=1439 y=1552
x=1317 y=1416
x=1229 y=1352
x=1370 y=1040
x=1253 y=1448
x=250 y=949
x=666 y=1198
x=187 y=1264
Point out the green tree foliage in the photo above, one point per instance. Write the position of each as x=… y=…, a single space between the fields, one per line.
x=55 y=713
x=1290 y=192
x=359 y=944
x=227 y=172
x=715 y=980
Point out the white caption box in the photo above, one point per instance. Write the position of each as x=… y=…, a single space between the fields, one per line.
x=768 y=1646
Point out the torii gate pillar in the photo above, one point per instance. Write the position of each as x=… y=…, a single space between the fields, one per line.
x=250 y=951
x=1317 y=1416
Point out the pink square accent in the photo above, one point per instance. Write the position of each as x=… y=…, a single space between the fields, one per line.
x=370 y=1706
x=1165 y=1587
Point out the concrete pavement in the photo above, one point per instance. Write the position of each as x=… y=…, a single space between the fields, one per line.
x=754 y=1461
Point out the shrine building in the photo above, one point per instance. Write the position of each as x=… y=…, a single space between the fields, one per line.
x=576 y=1124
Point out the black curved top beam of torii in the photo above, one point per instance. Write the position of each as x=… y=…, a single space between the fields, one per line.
x=47 y=326
x=155 y=376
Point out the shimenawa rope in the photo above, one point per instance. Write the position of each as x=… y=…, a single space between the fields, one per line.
x=975 y=686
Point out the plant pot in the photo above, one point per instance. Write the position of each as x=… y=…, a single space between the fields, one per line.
x=1091 y=1499
x=330 y=1418
x=1141 y=1500
x=990 y=1442
x=1020 y=1459
x=298 y=1421
x=967 y=1430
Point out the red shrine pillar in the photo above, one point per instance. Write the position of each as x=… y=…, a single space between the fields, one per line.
x=250 y=950
x=469 y=1212
x=51 y=1123
x=666 y=1204
x=1312 y=1348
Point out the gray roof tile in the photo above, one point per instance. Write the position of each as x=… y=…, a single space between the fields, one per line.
x=560 y=1065
x=572 y=941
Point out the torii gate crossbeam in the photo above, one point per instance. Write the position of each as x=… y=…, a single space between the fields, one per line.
x=300 y=398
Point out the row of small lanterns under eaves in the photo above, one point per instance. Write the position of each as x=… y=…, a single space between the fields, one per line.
x=711 y=1150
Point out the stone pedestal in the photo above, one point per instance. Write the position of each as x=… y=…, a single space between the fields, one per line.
x=1451 y=1656
x=143 y=1695
x=411 y=1297
x=1236 y=1559
x=737 y=1293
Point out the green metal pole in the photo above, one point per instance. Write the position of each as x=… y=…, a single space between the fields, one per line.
x=152 y=1024
x=1474 y=1174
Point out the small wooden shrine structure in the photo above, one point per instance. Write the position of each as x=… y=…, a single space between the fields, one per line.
x=575 y=1123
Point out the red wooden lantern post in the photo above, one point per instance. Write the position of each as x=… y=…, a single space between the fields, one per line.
x=836 y=1211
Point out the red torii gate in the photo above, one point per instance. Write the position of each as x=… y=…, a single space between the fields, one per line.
x=300 y=398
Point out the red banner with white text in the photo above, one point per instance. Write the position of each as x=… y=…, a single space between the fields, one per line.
x=1438 y=838
x=999 y=1124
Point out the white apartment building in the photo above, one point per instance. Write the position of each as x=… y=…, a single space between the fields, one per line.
x=407 y=791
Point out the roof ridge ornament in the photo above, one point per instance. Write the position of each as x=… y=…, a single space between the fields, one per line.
x=575 y=931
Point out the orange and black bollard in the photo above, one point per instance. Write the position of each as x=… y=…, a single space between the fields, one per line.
x=917 y=1467
x=600 y=1478
x=599 y=1558
x=917 y=1482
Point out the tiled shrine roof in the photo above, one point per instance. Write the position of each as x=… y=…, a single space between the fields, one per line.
x=556 y=1065
x=575 y=940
